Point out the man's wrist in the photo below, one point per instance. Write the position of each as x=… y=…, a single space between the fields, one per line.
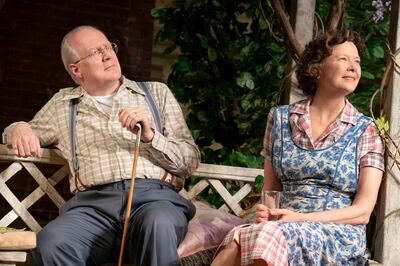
x=149 y=136
x=8 y=131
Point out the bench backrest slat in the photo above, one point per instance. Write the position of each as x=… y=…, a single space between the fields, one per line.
x=211 y=176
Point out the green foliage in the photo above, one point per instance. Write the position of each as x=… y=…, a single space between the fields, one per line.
x=382 y=124
x=259 y=184
x=227 y=75
x=358 y=16
x=230 y=69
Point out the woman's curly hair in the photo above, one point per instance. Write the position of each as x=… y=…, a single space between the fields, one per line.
x=316 y=51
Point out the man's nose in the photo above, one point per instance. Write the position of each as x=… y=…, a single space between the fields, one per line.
x=106 y=54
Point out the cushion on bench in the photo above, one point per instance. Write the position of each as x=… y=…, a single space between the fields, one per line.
x=207 y=229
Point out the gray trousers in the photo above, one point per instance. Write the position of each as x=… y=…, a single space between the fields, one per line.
x=89 y=228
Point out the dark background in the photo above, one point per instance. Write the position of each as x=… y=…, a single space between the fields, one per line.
x=31 y=70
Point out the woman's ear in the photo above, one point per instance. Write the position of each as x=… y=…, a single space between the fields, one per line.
x=315 y=72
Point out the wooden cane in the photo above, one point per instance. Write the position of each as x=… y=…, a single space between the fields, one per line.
x=130 y=196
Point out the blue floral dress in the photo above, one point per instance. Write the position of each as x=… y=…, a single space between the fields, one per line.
x=319 y=180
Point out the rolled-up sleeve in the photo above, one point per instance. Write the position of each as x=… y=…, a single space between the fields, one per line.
x=176 y=150
x=267 y=146
x=372 y=148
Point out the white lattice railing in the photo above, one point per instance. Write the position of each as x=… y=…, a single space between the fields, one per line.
x=211 y=175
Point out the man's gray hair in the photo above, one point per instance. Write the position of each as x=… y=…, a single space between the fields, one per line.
x=68 y=54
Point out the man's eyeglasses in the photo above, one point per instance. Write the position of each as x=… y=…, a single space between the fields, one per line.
x=100 y=51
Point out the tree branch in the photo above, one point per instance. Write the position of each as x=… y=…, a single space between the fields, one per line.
x=294 y=46
x=335 y=14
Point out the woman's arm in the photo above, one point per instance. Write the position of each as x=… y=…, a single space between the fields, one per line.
x=271 y=182
x=358 y=213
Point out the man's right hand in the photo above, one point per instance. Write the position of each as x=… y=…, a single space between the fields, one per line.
x=24 y=141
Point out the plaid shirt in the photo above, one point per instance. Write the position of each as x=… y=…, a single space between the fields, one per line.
x=105 y=149
x=370 y=146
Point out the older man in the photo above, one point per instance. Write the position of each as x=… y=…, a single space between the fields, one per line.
x=89 y=228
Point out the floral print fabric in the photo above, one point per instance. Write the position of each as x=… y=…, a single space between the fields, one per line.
x=318 y=180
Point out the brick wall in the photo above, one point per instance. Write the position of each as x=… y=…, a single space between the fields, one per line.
x=30 y=35
x=30 y=64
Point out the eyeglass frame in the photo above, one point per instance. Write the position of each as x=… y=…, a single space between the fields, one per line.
x=99 y=51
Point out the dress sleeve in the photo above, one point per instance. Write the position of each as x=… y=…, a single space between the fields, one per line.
x=267 y=148
x=371 y=148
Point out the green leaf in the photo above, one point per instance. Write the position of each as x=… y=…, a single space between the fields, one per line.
x=246 y=50
x=383 y=124
x=183 y=64
x=245 y=80
x=170 y=49
x=212 y=55
x=216 y=3
x=378 y=52
x=262 y=23
x=157 y=12
x=275 y=47
x=367 y=75
x=250 y=84
x=259 y=184
x=204 y=42
x=267 y=67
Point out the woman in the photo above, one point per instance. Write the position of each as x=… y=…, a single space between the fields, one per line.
x=326 y=157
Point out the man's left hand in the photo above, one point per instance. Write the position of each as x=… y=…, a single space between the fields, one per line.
x=129 y=117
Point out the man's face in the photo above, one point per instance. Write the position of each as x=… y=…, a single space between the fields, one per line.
x=95 y=70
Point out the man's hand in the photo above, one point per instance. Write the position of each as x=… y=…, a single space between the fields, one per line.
x=129 y=117
x=24 y=141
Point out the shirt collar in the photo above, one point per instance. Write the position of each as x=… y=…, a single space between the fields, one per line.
x=348 y=115
x=75 y=92
x=131 y=85
x=79 y=91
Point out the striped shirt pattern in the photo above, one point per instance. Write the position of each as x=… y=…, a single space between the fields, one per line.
x=105 y=149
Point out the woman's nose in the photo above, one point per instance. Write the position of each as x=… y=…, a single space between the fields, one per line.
x=351 y=67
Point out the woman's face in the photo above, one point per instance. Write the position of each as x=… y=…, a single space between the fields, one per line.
x=341 y=71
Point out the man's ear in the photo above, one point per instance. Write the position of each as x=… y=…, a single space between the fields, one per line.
x=75 y=70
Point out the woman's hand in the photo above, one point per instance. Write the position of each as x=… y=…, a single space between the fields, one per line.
x=263 y=214
x=286 y=215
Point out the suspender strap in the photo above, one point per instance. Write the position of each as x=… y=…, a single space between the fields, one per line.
x=73 y=106
x=75 y=165
x=73 y=112
x=153 y=106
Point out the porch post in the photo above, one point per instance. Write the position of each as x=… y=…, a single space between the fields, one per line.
x=303 y=25
x=387 y=244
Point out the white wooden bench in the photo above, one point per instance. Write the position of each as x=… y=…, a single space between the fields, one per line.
x=209 y=175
